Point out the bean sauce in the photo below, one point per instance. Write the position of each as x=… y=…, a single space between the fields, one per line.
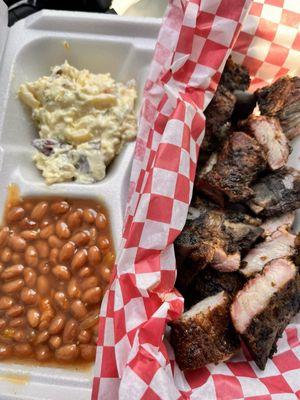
x=56 y=258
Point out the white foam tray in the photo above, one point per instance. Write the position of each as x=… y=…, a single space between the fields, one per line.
x=122 y=46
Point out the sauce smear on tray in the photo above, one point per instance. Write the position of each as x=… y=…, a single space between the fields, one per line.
x=56 y=258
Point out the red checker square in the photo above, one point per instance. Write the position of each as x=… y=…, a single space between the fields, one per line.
x=281 y=72
x=152 y=331
x=277 y=54
x=131 y=336
x=134 y=234
x=148 y=184
x=204 y=24
x=152 y=155
x=95 y=389
x=110 y=303
x=150 y=139
x=146 y=260
x=109 y=366
x=149 y=111
x=276 y=3
x=128 y=287
x=182 y=189
x=127 y=226
x=197 y=378
x=229 y=12
x=241 y=369
x=151 y=304
x=179 y=112
x=119 y=325
x=276 y=384
x=292 y=337
x=160 y=208
x=150 y=395
x=256 y=9
x=144 y=365
x=167 y=280
x=296 y=43
x=252 y=64
x=185 y=144
x=101 y=330
x=140 y=181
x=262 y=397
x=289 y=18
x=185 y=72
x=185 y=40
x=298 y=394
x=192 y=170
x=266 y=29
x=198 y=125
x=243 y=42
x=168 y=157
x=212 y=54
x=173 y=233
x=160 y=123
x=227 y=387
x=286 y=361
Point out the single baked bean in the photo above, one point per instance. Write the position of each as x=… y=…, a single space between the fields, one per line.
x=13 y=286
x=57 y=324
x=54 y=241
x=62 y=230
x=85 y=272
x=61 y=272
x=30 y=277
x=17 y=243
x=103 y=242
x=68 y=352
x=44 y=267
x=81 y=238
x=55 y=342
x=5 y=351
x=89 y=215
x=88 y=352
x=45 y=223
x=15 y=214
x=16 y=258
x=61 y=300
x=15 y=311
x=7 y=335
x=105 y=273
x=43 y=285
x=78 y=309
x=74 y=220
x=6 y=254
x=54 y=253
x=92 y=295
x=31 y=335
x=101 y=221
x=42 y=337
x=28 y=206
x=46 y=232
x=6 y=302
x=47 y=315
x=67 y=251
x=93 y=236
x=4 y=233
x=19 y=335
x=23 y=349
x=17 y=322
x=73 y=289
x=90 y=320
x=33 y=317
x=2 y=323
x=109 y=258
x=27 y=223
x=70 y=331
x=29 y=235
x=12 y=272
x=94 y=256
x=39 y=211
x=79 y=259
x=42 y=352
x=89 y=282
x=28 y=296
x=42 y=248
x=84 y=336
x=59 y=207
x=31 y=256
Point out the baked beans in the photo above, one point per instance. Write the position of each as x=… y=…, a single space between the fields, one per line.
x=56 y=259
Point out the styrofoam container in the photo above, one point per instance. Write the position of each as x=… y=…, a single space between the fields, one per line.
x=100 y=43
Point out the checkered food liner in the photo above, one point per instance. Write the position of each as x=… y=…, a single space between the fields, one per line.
x=134 y=359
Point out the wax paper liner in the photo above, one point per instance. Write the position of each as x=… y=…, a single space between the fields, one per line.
x=134 y=359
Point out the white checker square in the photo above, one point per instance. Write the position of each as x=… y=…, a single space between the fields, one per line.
x=135 y=313
x=155 y=140
x=141 y=212
x=190 y=15
x=154 y=235
x=219 y=369
x=208 y=98
x=270 y=370
x=173 y=132
x=163 y=384
x=209 y=6
x=184 y=165
x=178 y=61
x=179 y=214
x=134 y=386
x=206 y=391
x=98 y=360
x=237 y=57
x=222 y=30
x=267 y=71
x=123 y=348
x=291 y=5
x=147 y=280
x=283 y=396
x=126 y=260
x=259 y=48
x=103 y=307
x=285 y=36
x=292 y=378
x=109 y=337
x=167 y=258
x=111 y=386
x=271 y=13
x=197 y=47
x=164 y=182
x=201 y=76
x=250 y=24
x=190 y=112
x=193 y=152
x=292 y=60
x=155 y=70
x=118 y=298
x=252 y=385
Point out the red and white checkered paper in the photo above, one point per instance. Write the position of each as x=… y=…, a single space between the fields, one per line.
x=134 y=359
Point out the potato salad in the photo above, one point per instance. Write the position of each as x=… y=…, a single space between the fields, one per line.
x=83 y=121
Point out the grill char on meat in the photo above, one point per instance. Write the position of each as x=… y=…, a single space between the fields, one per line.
x=204 y=334
x=267 y=131
x=209 y=282
x=231 y=171
x=214 y=237
x=263 y=308
x=235 y=76
x=276 y=193
x=282 y=100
